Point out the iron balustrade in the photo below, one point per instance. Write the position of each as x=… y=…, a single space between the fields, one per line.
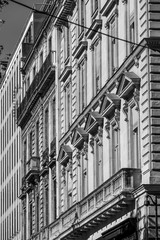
x=101 y=200
x=39 y=85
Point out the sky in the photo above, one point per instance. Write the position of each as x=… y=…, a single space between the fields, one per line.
x=15 y=17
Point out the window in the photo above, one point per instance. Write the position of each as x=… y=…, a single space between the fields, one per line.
x=132 y=33
x=54 y=215
x=94 y=6
x=69 y=188
x=115 y=159
x=96 y=62
x=113 y=48
x=46 y=206
x=84 y=176
x=37 y=212
x=68 y=105
x=66 y=43
x=82 y=86
x=134 y=136
x=81 y=15
x=46 y=130
x=98 y=158
x=25 y=155
x=30 y=218
x=30 y=146
x=37 y=138
x=54 y=117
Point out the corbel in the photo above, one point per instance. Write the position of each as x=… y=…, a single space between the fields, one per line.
x=91 y=142
x=136 y=98
x=125 y=110
x=78 y=156
x=64 y=175
x=107 y=128
x=85 y=151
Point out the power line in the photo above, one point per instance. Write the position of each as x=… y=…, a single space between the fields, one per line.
x=77 y=24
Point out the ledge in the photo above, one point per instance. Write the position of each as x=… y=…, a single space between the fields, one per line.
x=97 y=24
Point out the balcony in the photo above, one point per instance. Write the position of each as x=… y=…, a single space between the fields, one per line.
x=65 y=9
x=110 y=201
x=33 y=166
x=38 y=88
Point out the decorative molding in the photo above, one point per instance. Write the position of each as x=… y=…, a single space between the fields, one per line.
x=136 y=98
x=95 y=26
x=79 y=137
x=127 y=83
x=107 y=128
x=80 y=49
x=78 y=157
x=65 y=154
x=91 y=143
x=94 y=120
x=124 y=2
x=125 y=110
x=100 y=136
x=85 y=150
x=64 y=174
x=116 y=118
x=65 y=74
x=107 y=25
x=110 y=102
x=69 y=167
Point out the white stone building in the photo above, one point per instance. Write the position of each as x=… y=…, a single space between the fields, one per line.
x=90 y=121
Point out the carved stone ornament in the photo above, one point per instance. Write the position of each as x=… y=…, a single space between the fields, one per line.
x=116 y=12
x=91 y=142
x=64 y=175
x=107 y=25
x=125 y=110
x=69 y=167
x=136 y=98
x=85 y=151
x=107 y=128
x=124 y=1
x=78 y=157
x=116 y=119
x=100 y=136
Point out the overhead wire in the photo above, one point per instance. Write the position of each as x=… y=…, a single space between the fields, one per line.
x=77 y=24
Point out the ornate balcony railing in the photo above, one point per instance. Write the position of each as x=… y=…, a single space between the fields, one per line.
x=39 y=86
x=65 y=9
x=110 y=200
x=33 y=167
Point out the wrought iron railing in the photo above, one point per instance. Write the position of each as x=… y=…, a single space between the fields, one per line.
x=33 y=91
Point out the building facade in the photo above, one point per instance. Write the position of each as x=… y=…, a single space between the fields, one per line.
x=10 y=148
x=90 y=121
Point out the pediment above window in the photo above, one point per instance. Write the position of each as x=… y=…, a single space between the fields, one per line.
x=65 y=74
x=82 y=46
x=108 y=6
x=109 y=103
x=96 y=25
x=94 y=120
x=65 y=154
x=128 y=82
x=79 y=137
